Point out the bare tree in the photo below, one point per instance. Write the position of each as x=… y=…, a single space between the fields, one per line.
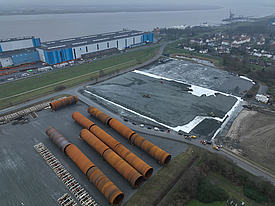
x=101 y=73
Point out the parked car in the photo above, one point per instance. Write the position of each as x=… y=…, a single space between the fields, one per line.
x=141 y=125
x=149 y=127
x=156 y=128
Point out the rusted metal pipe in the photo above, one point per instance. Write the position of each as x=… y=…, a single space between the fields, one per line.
x=106 y=187
x=63 y=102
x=126 y=154
x=129 y=134
x=126 y=170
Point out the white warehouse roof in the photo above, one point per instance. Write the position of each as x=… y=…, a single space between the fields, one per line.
x=91 y=39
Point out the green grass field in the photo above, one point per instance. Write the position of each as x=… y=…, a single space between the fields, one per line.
x=195 y=202
x=37 y=86
x=231 y=189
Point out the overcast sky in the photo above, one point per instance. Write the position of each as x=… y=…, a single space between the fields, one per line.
x=135 y=2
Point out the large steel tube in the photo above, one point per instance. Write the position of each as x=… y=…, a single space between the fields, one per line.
x=139 y=141
x=57 y=138
x=83 y=121
x=99 y=115
x=128 y=156
x=106 y=187
x=126 y=170
x=63 y=102
x=151 y=149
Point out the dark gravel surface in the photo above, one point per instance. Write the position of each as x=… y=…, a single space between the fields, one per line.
x=25 y=176
x=170 y=103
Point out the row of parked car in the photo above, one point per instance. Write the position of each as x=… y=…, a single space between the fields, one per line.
x=149 y=127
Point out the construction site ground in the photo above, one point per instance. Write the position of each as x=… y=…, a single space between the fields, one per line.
x=26 y=179
x=252 y=135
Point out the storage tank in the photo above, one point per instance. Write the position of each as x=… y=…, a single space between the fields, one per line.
x=139 y=141
x=126 y=170
x=106 y=187
x=123 y=152
x=63 y=102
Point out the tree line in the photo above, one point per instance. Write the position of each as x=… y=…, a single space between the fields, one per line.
x=194 y=183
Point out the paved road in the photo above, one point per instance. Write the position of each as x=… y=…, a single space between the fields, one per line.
x=73 y=90
x=173 y=136
x=262 y=89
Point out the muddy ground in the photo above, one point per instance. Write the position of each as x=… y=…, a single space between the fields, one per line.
x=252 y=135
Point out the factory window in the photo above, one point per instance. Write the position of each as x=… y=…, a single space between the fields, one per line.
x=108 y=45
x=86 y=49
x=97 y=46
x=125 y=42
x=116 y=44
x=134 y=40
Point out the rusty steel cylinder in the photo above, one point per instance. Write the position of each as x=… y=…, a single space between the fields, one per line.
x=63 y=102
x=151 y=149
x=126 y=170
x=83 y=121
x=106 y=187
x=129 y=157
x=99 y=115
x=126 y=154
x=121 y=128
x=57 y=138
x=129 y=134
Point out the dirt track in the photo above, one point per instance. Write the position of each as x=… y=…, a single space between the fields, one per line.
x=252 y=134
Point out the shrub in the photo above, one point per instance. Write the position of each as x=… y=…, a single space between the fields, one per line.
x=207 y=192
x=59 y=88
x=254 y=194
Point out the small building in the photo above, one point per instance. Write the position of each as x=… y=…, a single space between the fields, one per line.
x=226 y=42
x=261 y=98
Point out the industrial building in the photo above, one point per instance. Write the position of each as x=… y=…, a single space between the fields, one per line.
x=29 y=49
x=17 y=51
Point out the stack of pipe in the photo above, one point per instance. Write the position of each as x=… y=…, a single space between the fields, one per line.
x=116 y=146
x=139 y=141
x=106 y=187
x=63 y=102
x=126 y=170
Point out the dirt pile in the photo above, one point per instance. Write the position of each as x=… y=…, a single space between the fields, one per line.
x=252 y=135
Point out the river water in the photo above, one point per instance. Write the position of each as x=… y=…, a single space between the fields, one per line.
x=59 y=26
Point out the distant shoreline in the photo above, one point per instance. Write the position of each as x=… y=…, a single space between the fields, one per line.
x=78 y=11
